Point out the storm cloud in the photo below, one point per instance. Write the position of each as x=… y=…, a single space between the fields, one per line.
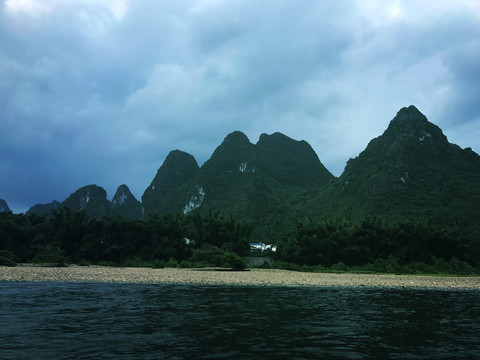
x=98 y=92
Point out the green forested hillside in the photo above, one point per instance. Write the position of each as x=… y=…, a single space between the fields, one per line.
x=411 y=171
x=253 y=182
x=166 y=193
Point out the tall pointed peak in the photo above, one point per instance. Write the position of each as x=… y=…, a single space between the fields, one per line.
x=411 y=122
x=408 y=118
x=410 y=142
x=178 y=168
x=123 y=188
x=125 y=204
x=410 y=112
x=122 y=195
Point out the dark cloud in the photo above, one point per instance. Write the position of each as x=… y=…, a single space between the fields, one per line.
x=464 y=66
x=100 y=92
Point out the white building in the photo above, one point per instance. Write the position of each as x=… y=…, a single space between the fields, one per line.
x=262 y=247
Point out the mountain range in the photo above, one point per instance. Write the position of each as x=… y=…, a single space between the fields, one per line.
x=410 y=171
x=93 y=199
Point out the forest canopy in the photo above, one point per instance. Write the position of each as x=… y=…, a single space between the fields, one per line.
x=374 y=244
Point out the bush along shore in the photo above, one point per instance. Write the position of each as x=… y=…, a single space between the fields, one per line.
x=373 y=245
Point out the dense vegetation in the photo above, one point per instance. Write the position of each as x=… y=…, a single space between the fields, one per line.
x=374 y=244
x=74 y=237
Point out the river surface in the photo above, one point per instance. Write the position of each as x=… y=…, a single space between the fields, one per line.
x=52 y=320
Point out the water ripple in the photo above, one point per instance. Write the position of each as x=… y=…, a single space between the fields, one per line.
x=132 y=321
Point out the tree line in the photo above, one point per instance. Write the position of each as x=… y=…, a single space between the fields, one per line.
x=374 y=244
x=378 y=244
x=73 y=237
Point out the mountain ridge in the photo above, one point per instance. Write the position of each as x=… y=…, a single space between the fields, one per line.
x=241 y=177
x=409 y=170
x=93 y=200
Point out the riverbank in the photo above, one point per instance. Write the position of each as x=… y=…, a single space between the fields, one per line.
x=254 y=277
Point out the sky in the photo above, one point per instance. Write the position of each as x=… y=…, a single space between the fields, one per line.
x=100 y=91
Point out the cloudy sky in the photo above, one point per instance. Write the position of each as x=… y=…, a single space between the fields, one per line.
x=98 y=91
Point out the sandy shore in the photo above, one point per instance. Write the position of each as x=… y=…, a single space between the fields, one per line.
x=255 y=277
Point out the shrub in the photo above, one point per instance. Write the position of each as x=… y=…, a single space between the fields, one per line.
x=84 y=262
x=340 y=266
x=172 y=263
x=50 y=253
x=8 y=255
x=210 y=256
x=135 y=262
x=233 y=261
x=391 y=265
x=185 y=264
x=459 y=267
x=158 y=264
x=440 y=266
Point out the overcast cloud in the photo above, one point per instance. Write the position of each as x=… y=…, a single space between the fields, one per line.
x=98 y=92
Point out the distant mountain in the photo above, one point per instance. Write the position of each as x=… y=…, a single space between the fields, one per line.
x=411 y=170
x=91 y=198
x=4 y=206
x=251 y=182
x=165 y=191
x=43 y=209
x=124 y=204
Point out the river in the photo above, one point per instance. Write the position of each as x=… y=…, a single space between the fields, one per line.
x=55 y=320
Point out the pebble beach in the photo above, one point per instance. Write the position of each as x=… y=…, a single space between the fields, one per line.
x=253 y=277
